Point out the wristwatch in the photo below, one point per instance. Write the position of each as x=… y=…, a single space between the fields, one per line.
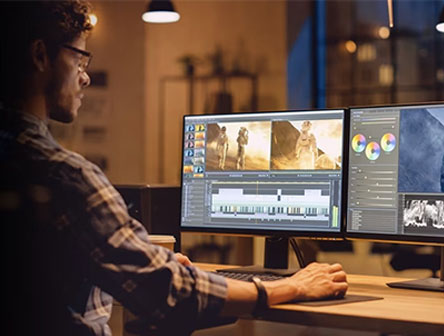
x=262 y=297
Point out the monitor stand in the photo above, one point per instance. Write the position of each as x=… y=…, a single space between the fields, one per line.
x=430 y=284
x=275 y=259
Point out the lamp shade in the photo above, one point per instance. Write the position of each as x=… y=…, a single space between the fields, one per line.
x=440 y=24
x=160 y=11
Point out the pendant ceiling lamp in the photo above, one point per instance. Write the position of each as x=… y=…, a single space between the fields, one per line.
x=160 y=11
x=440 y=24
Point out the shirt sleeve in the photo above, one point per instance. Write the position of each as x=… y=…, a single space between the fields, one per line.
x=146 y=278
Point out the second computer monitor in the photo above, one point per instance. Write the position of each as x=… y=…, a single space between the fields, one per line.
x=396 y=173
x=268 y=173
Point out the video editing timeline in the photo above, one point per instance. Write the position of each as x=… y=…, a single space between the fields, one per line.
x=266 y=171
x=394 y=171
x=287 y=203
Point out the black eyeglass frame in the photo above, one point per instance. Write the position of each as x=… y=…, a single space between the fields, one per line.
x=83 y=64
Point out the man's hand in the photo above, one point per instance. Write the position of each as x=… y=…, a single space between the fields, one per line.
x=317 y=281
x=183 y=259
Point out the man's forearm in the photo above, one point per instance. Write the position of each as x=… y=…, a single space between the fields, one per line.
x=241 y=298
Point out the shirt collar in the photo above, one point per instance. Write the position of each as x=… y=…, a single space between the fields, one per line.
x=40 y=125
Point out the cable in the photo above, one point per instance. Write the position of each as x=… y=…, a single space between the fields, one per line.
x=298 y=253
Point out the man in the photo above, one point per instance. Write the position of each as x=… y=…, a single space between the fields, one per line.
x=75 y=247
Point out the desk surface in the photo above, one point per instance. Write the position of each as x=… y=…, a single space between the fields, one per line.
x=401 y=311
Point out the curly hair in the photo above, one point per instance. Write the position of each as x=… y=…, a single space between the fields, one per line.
x=54 y=22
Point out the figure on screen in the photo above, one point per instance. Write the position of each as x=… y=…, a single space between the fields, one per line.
x=306 y=148
x=242 y=141
x=222 y=147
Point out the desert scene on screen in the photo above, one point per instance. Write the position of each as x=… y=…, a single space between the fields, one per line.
x=306 y=145
x=238 y=146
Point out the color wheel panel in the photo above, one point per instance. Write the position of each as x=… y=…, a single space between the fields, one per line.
x=388 y=142
x=372 y=151
x=358 y=143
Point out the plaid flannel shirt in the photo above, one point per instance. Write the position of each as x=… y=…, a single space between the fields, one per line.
x=93 y=251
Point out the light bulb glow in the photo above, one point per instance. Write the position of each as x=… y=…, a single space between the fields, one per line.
x=160 y=17
x=93 y=19
x=440 y=27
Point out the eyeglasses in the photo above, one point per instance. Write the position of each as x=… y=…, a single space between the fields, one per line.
x=85 y=60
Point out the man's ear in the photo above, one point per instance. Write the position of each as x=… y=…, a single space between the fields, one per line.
x=39 y=55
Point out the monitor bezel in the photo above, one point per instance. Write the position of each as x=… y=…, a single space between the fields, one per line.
x=387 y=238
x=339 y=235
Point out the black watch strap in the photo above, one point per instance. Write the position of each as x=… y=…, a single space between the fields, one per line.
x=262 y=297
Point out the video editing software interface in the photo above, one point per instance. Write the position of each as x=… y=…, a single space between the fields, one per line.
x=396 y=171
x=269 y=171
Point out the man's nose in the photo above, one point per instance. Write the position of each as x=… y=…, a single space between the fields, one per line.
x=85 y=80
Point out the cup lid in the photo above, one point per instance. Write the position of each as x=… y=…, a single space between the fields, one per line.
x=161 y=239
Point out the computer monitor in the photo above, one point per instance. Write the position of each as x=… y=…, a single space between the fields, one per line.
x=396 y=175
x=273 y=174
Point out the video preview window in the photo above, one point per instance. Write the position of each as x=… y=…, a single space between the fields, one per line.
x=277 y=145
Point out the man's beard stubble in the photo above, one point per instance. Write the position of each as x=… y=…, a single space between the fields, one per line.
x=57 y=111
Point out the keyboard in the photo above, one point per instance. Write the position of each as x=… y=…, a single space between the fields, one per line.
x=249 y=276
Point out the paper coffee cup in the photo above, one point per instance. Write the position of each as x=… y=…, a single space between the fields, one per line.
x=163 y=240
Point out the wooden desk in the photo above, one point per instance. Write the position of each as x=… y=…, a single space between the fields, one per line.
x=402 y=311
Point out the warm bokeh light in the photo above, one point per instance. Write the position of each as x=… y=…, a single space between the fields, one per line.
x=350 y=46
x=384 y=33
x=386 y=74
x=440 y=75
x=93 y=19
x=367 y=52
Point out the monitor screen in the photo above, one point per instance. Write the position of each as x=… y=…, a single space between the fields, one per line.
x=264 y=173
x=396 y=173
